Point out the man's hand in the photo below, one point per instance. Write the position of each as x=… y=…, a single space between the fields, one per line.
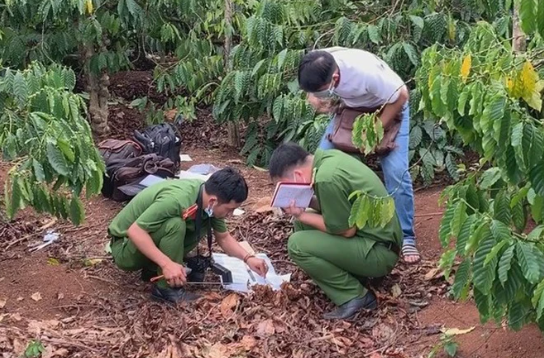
x=174 y=274
x=257 y=265
x=293 y=210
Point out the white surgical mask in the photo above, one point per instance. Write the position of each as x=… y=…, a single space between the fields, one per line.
x=209 y=210
x=327 y=93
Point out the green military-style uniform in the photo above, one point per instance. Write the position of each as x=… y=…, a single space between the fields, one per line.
x=335 y=262
x=158 y=210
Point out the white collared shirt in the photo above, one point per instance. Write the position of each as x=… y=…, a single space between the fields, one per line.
x=365 y=79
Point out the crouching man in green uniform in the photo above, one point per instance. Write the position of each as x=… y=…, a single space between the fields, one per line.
x=337 y=257
x=157 y=228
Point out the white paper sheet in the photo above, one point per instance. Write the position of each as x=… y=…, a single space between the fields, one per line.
x=150 y=180
x=242 y=276
x=190 y=175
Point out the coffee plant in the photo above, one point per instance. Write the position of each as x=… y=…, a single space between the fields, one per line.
x=258 y=87
x=492 y=97
x=45 y=134
x=94 y=36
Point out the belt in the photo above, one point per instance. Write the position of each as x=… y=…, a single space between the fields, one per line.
x=390 y=246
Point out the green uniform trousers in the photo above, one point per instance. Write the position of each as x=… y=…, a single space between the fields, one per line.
x=335 y=263
x=170 y=238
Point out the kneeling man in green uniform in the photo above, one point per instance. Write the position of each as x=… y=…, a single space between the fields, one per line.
x=336 y=256
x=157 y=228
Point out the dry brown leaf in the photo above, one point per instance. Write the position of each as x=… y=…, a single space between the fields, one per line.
x=457 y=331
x=248 y=342
x=266 y=328
x=375 y=355
x=382 y=332
x=2 y=316
x=36 y=296
x=19 y=299
x=38 y=326
x=217 y=351
x=3 y=302
x=18 y=347
x=60 y=296
x=16 y=317
x=396 y=291
x=432 y=274
x=228 y=304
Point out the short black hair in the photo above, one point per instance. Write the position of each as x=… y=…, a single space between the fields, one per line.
x=315 y=70
x=286 y=157
x=227 y=184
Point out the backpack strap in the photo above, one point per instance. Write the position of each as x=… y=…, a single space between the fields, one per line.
x=198 y=221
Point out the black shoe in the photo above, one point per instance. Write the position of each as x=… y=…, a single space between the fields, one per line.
x=350 y=308
x=147 y=274
x=173 y=295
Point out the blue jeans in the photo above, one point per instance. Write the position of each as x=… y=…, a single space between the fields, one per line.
x=395 y=171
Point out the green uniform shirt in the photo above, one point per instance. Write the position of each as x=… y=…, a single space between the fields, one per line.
x=158 y=203
x=337 y=175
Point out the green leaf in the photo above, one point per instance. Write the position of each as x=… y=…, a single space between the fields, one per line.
x=540 y=18
x=38 y=170
x=416 y=135
x=66 y=150
x=502 y=207
x=458 y=219
x=451 y=348
x=516 y=315
x=462 y=277
x=77 y=212
x=281 y=59
x=483 y=303
x=451 y=166
x=20 y=89
x=536 y=175
x=446 y=262
x=493 y=253
x=465 y=232
x=411 y=52
x=490 y=177
x=527 y=15
x=374 y=34
x=57 y=160
x=484 y=274
x=536 y=233
x=517 y=134
x=519 y=216
x=16 y=197
x=463 y=98
x=482 y=230
x=528 y=261
x=538 y=299
x=445 y=224
x=417 y=21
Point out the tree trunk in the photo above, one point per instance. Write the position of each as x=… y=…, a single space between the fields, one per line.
x=518 y=37
x=97 y=87
x=233 y=131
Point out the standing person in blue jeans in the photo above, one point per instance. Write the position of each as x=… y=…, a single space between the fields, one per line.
x=361 y=79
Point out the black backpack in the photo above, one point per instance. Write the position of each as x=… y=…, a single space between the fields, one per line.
x=161 y=139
